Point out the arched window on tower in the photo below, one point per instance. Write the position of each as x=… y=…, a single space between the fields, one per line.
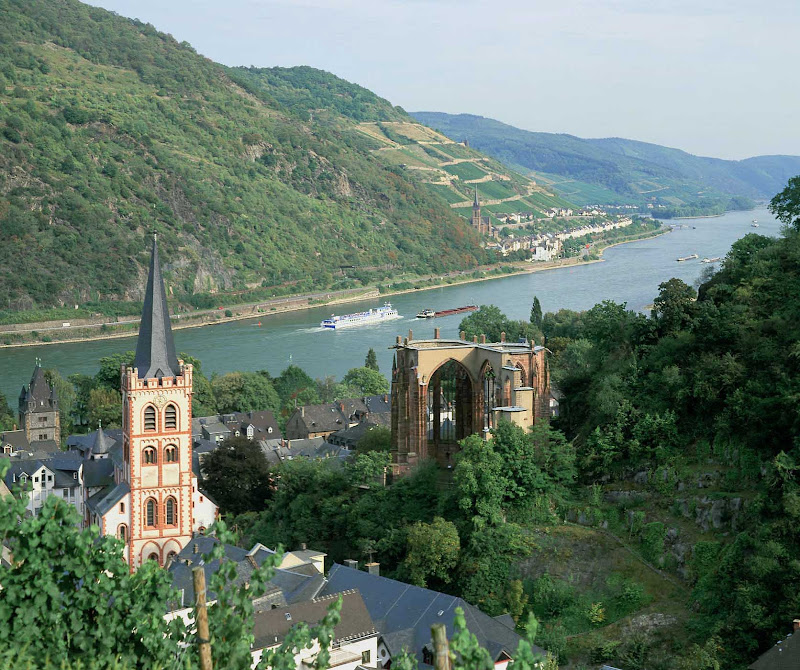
x=153 y=557
x=171 y=417
x=171 y=508
x=150 y=419
x=122 y=532
x=149 y=456
x=150 y=513
x=170 y=454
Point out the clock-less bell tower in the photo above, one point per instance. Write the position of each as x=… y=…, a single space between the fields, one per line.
x=157 y=434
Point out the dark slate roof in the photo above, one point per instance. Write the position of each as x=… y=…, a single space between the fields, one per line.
x=104 y=500
x=261 y=421
x=101 y=444
x=378 y=404
x=39 y=392
x=155 y=348
x=98 y=473
x=62 y=466
x=84 y=443
x=404 y=613
x=16 y=438
x=349 y=437
x=785 y=655
x=271 y=626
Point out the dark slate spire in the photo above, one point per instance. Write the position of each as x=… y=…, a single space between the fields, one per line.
x=155 y=349
x=101 y=443
x=476 y=204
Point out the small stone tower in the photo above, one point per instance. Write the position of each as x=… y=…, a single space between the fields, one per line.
x=38 y=409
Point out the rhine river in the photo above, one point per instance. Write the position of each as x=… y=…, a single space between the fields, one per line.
x=630 y=273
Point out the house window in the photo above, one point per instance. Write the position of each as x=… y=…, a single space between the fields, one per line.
x=42 y=419
x=170 y=454
x=365 y=657
x=171 y=508
x=42 y=436
x=149 y=456
x=150 y=512
x=122 y=508
x=65 y=493
x=171 y=417
x=122 y=532
x=150 y=418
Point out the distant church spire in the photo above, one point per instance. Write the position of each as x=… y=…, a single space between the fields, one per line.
x=477 y=203
x=155 y=349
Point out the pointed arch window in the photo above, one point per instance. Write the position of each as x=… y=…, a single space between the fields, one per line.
x=150 y=419
x=150 y=513
x=149 y=456
x=122 y=532
x=171 y=417
x=170 y=454
x=171 y=512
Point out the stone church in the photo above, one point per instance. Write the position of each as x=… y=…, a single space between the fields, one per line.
x=142 y=488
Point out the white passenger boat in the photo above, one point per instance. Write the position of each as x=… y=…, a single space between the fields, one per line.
x=375 y=315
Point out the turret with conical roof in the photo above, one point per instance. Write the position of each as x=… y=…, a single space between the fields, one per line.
x=102 y=444
x=155 y=348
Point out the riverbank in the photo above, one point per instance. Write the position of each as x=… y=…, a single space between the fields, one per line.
x=262 y=310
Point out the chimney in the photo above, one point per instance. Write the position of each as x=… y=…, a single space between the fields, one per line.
x=462 y=335
x=503 y=336
x=302 y=411
x=350 y=563
x=373 y=569
x=410 y=334
x=385 y=397
x=483 y=339
x=399 y=339
x=474 y=339
x=302 y=546
x=435 y=333
x=341 y=407
x=796 y=625
x=195 y=548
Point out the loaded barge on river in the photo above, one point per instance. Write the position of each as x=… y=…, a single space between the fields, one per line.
x=430 y=314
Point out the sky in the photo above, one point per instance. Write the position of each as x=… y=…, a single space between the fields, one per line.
x=712 y=77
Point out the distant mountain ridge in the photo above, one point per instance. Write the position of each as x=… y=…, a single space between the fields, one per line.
x=586 y=170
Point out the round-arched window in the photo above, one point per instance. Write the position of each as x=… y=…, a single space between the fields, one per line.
x=149 y=456
x=170 y=454
x=150 y=512
x=122 y=532
x=150 y=419
x=171 y=417
x=171 y=512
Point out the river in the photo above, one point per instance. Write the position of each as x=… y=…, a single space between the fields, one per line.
x=630 y=273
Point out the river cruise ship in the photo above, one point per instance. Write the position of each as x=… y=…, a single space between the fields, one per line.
x=375 y=315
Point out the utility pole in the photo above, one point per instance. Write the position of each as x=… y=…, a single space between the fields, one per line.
x=201 y=618
x=441 y=647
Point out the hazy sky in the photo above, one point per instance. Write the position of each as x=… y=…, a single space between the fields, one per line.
x=713 y=77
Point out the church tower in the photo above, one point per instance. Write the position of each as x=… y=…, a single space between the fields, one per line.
x=477 y=221
x=157 y=434
x=38 y=410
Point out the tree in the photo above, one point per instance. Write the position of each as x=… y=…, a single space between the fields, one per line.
x=203 y=401
x=6 y=414
x=786 y=205
x=367 y=381
x=237 y=477
x=487 y=320
x=244 y=391
x=674 y=307
x=293 y=383
x=536 y=313
x=108 y=376
x=368 y=468
x=66 y=399
x=477 y=480
x=104 y=406
x=432 y=551
x=378 y=438
x=371 y=360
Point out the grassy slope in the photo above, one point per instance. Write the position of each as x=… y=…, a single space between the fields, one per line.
x=627 y=167
x=110 y=129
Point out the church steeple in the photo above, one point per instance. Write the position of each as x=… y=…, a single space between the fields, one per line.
x=476 y=203
x=155 y=348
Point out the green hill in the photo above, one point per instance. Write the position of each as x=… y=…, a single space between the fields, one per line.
x=617 y=170
x=259 y=182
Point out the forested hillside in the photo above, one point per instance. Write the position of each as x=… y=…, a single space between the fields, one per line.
x=618 y=170
x=110 y=130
